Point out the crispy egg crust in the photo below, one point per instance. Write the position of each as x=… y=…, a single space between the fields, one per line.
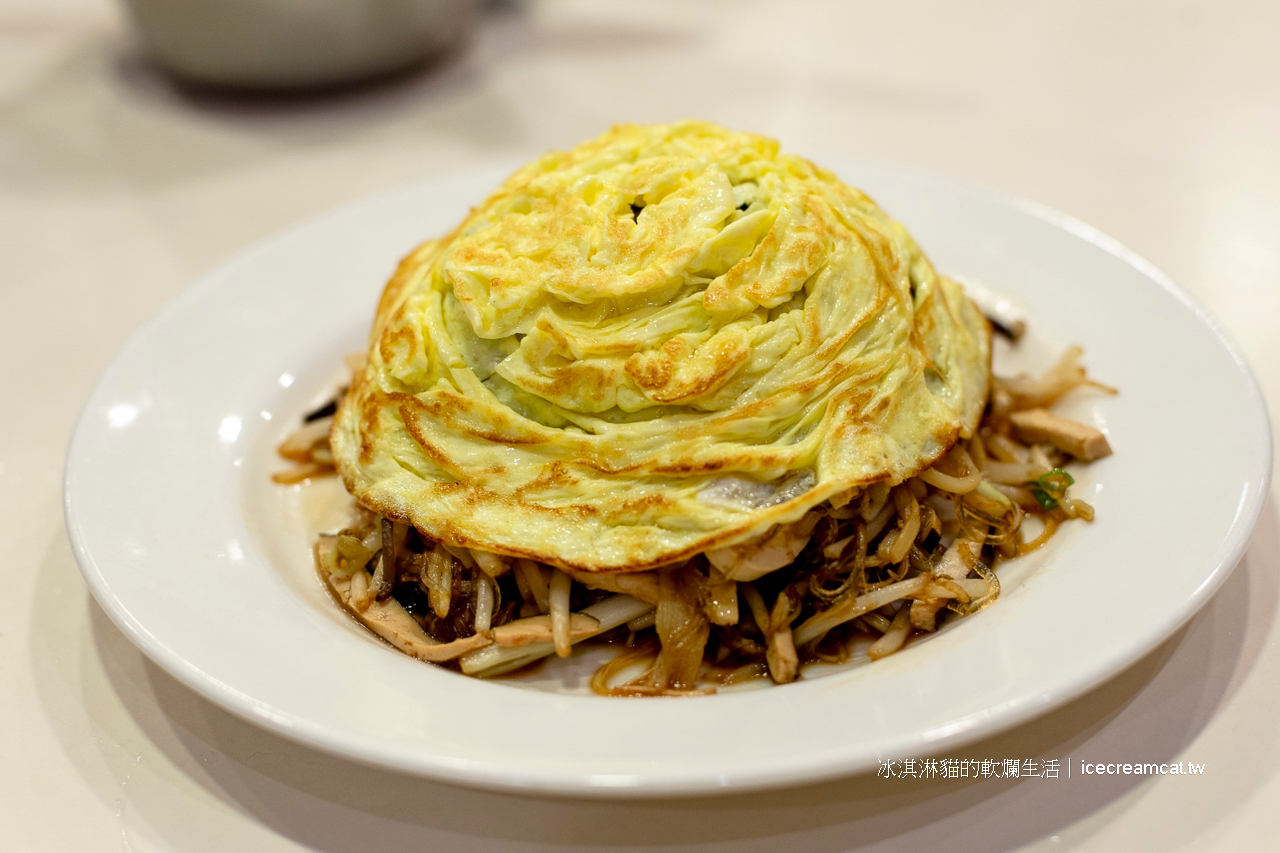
x=665 y=340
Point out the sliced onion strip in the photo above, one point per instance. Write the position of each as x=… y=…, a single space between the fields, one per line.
x=561 y=585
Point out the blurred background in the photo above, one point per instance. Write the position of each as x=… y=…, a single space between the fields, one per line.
x=142 y=143
x=1156 y=121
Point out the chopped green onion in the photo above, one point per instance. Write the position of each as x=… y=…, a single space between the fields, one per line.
x=1043 y=498
x=989 y=491
x=1051 y=487
x=1057 y=480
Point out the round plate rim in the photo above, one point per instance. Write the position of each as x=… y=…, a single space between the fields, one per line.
x=501 y=777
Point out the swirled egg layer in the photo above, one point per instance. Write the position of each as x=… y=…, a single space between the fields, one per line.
x=668 y=339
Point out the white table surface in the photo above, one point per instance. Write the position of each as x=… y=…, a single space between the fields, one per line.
x=1158 y=122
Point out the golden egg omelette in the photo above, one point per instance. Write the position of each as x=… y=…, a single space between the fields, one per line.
x=669 y=339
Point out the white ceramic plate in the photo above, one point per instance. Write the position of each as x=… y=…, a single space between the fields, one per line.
x=203 y=564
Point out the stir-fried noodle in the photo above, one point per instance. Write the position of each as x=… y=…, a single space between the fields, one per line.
x=877 y=565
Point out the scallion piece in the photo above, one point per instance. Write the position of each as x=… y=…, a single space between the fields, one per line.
x=1044 y=498
x=1051 y=487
